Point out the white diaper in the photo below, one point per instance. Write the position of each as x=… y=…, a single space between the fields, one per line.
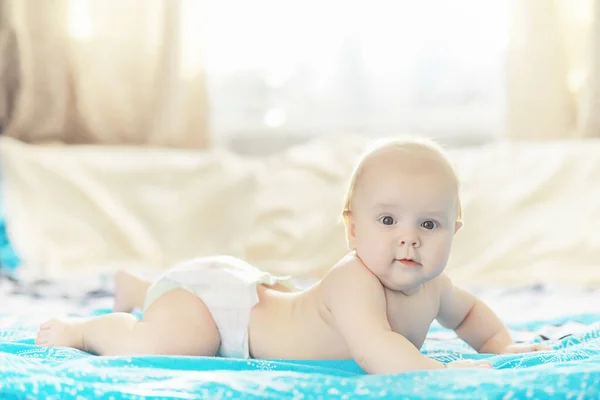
x=227 y=286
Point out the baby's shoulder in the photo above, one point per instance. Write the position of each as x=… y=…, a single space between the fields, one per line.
x=435 y=286
x=349 y=287
x=440 y=284
x=438 y=288
x=350 y=274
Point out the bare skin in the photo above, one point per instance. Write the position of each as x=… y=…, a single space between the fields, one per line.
x=130 y=291
x=374 y=306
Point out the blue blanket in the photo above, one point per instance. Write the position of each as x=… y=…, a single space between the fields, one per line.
x=571 y=371
x=9 y=260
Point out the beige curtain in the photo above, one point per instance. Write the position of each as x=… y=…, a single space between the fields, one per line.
x=9 y=65
x=105 y=71
x=553 y=69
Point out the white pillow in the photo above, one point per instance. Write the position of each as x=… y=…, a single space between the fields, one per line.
x=531 y=209
x=91 y=208
x=532 y=214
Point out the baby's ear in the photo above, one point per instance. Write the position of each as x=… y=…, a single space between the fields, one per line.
x=350 y=230
x=457 y=225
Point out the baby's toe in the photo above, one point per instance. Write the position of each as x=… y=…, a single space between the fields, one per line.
x=41 y=338
x=48 y=324
x=45 y=326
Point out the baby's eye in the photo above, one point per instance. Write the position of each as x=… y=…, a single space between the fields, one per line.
x=429 y=224
x=387 y=220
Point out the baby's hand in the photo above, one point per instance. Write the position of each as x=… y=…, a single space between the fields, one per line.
x=469 y=364
x=525 y=348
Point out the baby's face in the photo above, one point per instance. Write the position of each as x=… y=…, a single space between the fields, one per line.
x=403 y=221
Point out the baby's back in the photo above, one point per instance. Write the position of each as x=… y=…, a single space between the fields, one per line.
x=301 y=326
x=293 y=326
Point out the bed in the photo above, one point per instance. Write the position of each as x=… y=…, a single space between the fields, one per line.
x=556 y=315
x=76 y=213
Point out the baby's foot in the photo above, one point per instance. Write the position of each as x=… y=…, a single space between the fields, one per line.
x=57 y=333
x=128 y=291
x=469 y=364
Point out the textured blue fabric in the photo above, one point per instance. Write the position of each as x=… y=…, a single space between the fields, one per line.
x=571 y=371
x=9 y=260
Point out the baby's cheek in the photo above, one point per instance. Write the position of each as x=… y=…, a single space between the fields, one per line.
x=442 y=252
x=371 y=251
x=377 y=245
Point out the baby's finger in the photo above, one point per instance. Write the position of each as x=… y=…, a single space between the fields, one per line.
x=541 y=347
x=484 y=364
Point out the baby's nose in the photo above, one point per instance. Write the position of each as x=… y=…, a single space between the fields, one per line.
x=409 y=240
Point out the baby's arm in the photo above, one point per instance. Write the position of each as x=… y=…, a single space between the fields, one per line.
x=357 y=303
x=474 y=322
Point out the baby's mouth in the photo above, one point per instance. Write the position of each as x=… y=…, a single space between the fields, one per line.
x=408 y=262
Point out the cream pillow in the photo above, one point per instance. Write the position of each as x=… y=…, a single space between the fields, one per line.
x=90 y=208
x=532 y=214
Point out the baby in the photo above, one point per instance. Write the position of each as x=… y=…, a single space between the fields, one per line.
x=376 y=305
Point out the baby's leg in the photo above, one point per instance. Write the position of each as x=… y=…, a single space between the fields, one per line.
x=130 y=291
x=177 y=323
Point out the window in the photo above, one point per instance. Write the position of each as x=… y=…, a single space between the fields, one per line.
x=309 y=68
x=283 y=70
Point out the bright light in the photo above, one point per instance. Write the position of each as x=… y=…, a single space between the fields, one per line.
x=80 y=25
x=275 y=117
x=258 y=35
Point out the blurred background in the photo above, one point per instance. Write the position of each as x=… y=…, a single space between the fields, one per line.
x=144 y=132
x=260 y=76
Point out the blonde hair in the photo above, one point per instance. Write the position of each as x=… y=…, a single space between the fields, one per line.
x=405 y=144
